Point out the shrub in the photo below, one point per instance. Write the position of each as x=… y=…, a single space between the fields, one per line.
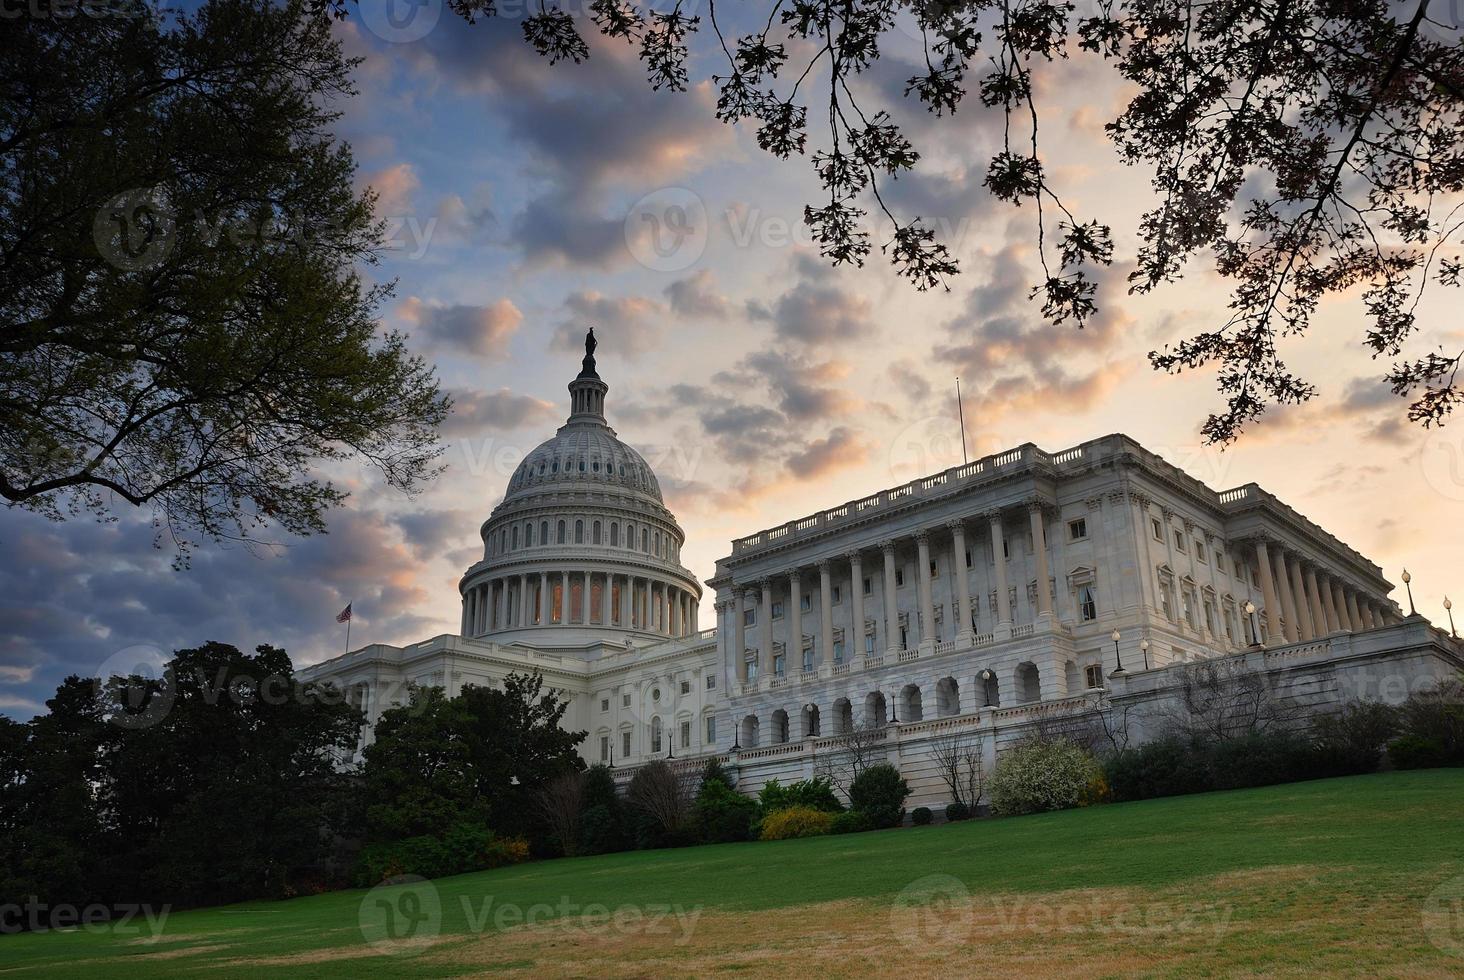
x=921 y=816
x=797 y=821
x=464 y=847
x=850 y=822
x=1352 y=739
x=1437 y=715
x=879 y=792
x=1165 y=767
x=1260 y=760
x=1040 y=776
x=816 y=794
x=1416 y=752
x=958 y=811
x=602 y=821
x=722 y=813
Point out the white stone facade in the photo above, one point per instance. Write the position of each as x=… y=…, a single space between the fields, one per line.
x=976 y=600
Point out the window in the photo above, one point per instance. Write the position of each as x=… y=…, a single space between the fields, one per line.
x=838 y=594
x=625 y=744
x=899 y=578
x=1166 y=599
x=749 y=617
x=595 y=535
x=838 y=651
x=1093 y=675
x=1199 y=550
x=686 y=687
x=604 y=748
x=543 y=532
x=604 y=704
x=805 y=602
x=614 y=535
x=752 y=670
x=868 y=585
x=561 y=532
x=1210 y=616
x=579 y=532
x=686 y=734
x=934 y=569
x=1078 y=529
x=625 y=700
x=529 y=534
x=968 y=557
x=869 y=645
x=808 y=660
x=711 y=730
x=655 y=735
x=1156 y=528
x=1189 y=609
x=904 y=637
x=646 y=540
x=711 y=682
x=1087 y=604
x=514 y=537
x=1179 y=540
x=1006 y=548
x=778 y=610
x=780 y=662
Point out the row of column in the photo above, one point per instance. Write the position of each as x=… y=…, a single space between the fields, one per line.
x=925 y=629
x=1304 y=601
x=547 y=599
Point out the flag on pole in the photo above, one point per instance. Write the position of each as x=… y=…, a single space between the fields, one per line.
x=345 y=614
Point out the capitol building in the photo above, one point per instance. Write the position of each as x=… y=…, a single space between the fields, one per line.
x=979 y=603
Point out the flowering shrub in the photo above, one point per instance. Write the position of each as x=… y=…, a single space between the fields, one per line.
x=796 y=821
x=1042 y=776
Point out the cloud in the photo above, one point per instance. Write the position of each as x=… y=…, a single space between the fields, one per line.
x=475 y=411
x=820 y=309
x=482 y=331
x=840 y=449
x=697 y=296
x=626 y=326
x=394 y=188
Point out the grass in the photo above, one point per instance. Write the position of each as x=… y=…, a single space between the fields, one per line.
x=1337 y=876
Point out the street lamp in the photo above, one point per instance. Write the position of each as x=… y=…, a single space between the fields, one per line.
x=1144 y=649
x=1250 y=611
x=1449 y=608
x=1408 y=583
x=1116 y=654
x=893 y=719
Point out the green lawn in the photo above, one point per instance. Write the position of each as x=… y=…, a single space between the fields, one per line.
x=1339 y=876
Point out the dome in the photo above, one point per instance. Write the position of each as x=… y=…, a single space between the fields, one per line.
x=583 y=456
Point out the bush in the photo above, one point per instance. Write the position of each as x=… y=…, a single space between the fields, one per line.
x=850 y=822
x=722 y=813
x=1166 y=767
x=921 y=816
x=1260 y=760
x=1352 y=739
x=797 y=821
x=1041 y=776
x=958 y=811
x=1416 y=752
x=816 y=794
x=1437 y=715
x=602 y=820
x=879 y=792
x=465 y=847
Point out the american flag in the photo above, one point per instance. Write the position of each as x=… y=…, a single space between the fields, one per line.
x=345 y=614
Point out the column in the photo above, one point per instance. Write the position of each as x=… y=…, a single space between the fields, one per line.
x=607 y=591
x=1368 y=619
x=666 y=609
x=854 y=638
x=963 y=582
x=927 y=603
x=765 y=629
x=543 y=598
x=1144 y=555
x=739 y=637
x=1305 y=628
x=1268 y=593
x=1283 y=589
x=1044 y=574
x=891 y=606
x=1329 y=606
x=1339 y=602
x=500 y=604
x=525 y=601
x=1003 y=599
x=825 y=653
x=793 y=642
x=1318 y=609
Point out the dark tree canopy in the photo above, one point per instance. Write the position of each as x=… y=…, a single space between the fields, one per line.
x=182 y=323
x=1305 y=148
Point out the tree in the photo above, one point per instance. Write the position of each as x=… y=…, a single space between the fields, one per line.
x=958 y=760
x=561 y=803
x=850 y=754
x=662 y=797
x=1219 y=700
x=182 y=323
x=419 y=777
x=879 y=792
x=1311 y=147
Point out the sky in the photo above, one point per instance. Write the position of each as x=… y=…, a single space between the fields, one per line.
x=526 y=203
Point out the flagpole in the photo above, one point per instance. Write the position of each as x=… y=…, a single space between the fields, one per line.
x=348 y=632
x=961 y=411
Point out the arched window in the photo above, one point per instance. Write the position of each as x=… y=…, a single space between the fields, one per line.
x=561 y=532
x=655 y=734
x=947 y=697
x=529 y=535
x=1029 y=686
x=912 y=709
x=543 y=532
x=646 y=540
x=579 y=532
x=658 y=544
x=582 y=464
x=614 y=534
x=595 y=535
x=515 y=536
x=780 y=726
x=875 y=713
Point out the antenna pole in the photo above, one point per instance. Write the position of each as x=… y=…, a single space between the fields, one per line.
x=961 y=412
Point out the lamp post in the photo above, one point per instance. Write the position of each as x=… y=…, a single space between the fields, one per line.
x=1250 y=612
x=1144 y=649
x=736 y=735
x=1408 y=584
x=893 y=719
x=1116 y=654
x=1449 y=608
x=986 y=678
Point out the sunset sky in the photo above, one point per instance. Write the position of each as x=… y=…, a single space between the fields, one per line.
x=760 y=383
